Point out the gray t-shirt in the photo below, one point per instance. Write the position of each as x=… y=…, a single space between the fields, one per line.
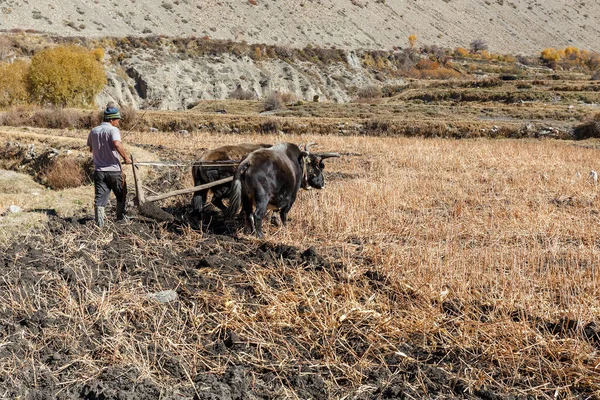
x=100 y=139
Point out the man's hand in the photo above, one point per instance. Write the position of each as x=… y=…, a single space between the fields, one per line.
x=128 y=161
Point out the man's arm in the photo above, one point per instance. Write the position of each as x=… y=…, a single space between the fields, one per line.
x=121 y=150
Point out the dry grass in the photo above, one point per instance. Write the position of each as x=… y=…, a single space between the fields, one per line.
x=465 y=259
x=64 y=173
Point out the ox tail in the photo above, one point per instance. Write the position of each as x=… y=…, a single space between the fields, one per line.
x=235 y=193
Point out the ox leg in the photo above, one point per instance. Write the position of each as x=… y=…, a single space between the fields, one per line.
x=259 y=214
x=283 y=214
x=247 y=210
x=199 y=200
x=218 y=202
x=219 y=193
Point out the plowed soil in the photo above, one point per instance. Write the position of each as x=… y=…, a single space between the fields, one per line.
x=83 y=328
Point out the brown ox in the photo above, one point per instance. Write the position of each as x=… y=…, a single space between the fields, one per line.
x=207 y=174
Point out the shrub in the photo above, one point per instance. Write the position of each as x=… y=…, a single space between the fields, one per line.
x=412 y=41
x=276 y=99
x=66 y=76
x=478 y=45
x=287 y=97
x=461 y=52
x=53 y=118
x=241 y=94
x=273 y=101
x=16 y=116
x=437 y=53
x=64 y=173
x=369 y=92
x=13 y=90
x=129 y=117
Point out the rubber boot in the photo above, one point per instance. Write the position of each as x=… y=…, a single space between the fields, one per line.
x=121 y=209
x=99 y=216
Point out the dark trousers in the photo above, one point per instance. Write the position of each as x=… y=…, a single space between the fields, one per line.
x=104 y=182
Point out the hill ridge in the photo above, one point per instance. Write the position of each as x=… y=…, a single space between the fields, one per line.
x=519 y=26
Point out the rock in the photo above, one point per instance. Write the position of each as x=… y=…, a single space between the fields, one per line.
x=152 y=129
x=14 y=209
x=165 y=296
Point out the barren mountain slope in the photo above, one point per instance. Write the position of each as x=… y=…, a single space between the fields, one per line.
x=517 y=26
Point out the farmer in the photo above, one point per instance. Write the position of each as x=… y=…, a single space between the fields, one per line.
x=105 y=144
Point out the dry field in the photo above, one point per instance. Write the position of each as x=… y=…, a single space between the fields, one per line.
x=426 y=268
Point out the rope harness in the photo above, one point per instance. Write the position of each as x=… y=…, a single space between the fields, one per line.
x=305 y=161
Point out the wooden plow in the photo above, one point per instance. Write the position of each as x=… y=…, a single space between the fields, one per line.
x=146 y=203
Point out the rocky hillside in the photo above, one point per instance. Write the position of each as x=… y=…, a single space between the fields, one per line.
x=167 y=80
x=517 y=26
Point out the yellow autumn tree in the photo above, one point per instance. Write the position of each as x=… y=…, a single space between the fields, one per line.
x=461 y=52
x=13 y=90
x=572 y=53
x=68 y=76
x=550 y=54
x=412 y=41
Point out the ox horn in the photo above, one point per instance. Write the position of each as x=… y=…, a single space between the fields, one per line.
x=308 y=145
x=328 y=155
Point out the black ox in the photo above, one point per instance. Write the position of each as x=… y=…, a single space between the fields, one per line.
x=207 y=174
x=270 y=179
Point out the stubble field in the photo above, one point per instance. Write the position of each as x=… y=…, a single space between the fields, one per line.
x=426 y=268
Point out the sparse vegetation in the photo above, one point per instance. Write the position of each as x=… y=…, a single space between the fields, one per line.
x=273 y=101
x=570 y=58
x=369 y=92
x=478 y=46
x=240 y=94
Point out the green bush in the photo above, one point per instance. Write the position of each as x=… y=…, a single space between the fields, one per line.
x=66 y=76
